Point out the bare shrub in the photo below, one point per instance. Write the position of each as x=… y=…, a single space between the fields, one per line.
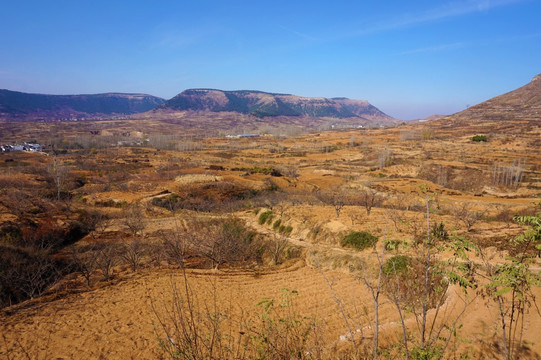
x=107 y=258
x=178 y=244
x=25 y=274
x=85 y=261
x=369 y=198
x=95 y=222
x=467 y=215
x=337 y=198
x=291 y=171
x=385 y=158
x=134 y=220
x=276 y=247
x=282 y=332
x=193 y=328
x=132 y=253
x=229 y=241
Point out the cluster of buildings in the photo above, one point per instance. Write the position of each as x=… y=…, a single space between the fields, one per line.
x=23 y=147
x=241 y=136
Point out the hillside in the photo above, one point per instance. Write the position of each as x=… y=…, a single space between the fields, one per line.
x=248 y=219
x=262 y=104
x=23 y=106
x=523 y=104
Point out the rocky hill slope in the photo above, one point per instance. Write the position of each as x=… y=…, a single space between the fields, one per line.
x=523 y=103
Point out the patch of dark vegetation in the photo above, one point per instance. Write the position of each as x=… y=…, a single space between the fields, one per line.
x=221 y=197
x=259 y=170
x=29 y=261
x=479 y=138
x=359 y=240
x=397 y=264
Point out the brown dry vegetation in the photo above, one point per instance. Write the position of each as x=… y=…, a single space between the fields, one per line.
x=121 y=236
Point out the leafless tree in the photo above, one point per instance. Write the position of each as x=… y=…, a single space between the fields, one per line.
x=395 y=293
x=337 y=198
x=442 y=176
x=95 y=222
x=428 y=291
x=375 y=287
x=385 y=158
x=281 y=207
x=36 y=277
x=508 y=175
x=227 y=241
x=59 y=175
x=178 y=243
x=134 y=220
x=467 y=215
x=132 y=253
x=107 y=258
x=277 y=246
x=85 y=260
x=369 y=198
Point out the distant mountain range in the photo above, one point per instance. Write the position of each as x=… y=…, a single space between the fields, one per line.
x=16 y=105
x=261 y=104
x=223 y=109
x=523 y=103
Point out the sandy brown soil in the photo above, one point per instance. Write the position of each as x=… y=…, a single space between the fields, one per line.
x=116 y=320
x=120 y=320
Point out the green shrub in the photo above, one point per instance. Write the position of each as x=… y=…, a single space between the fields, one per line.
x=393 y=244
x=359 y=240
x=276 y=224
x=397 y=264
x=439 y=232
x=265 y=217
x=479 y=138
x=285 y=229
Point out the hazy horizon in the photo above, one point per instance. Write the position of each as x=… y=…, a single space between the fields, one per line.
x=409 y=60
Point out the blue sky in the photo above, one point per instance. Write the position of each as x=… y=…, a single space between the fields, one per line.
x=411 y=59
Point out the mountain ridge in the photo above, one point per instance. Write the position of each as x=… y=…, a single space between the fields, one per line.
x=15 y=105
x=255 y=104
x=264 y=104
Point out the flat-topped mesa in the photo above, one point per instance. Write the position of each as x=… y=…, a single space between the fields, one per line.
x=262 y=104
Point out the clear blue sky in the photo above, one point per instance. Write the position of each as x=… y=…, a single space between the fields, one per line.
x=409 y=58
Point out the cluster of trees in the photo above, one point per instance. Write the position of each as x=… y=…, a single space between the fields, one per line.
x=338 y=198
x=29 y=264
